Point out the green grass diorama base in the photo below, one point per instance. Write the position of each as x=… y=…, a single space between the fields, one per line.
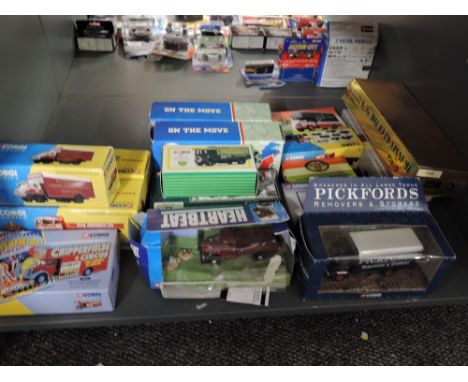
x=241 y=271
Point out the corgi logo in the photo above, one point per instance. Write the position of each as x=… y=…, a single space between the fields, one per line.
x=13 y=147
x=13 y=214
x=8 y=173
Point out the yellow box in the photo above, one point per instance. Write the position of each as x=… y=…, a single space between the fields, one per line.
x=57 y=175
x=132 y=164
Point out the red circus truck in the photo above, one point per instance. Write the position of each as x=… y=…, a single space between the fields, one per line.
x=43 y=187
x=45 y=263
x=64 y=156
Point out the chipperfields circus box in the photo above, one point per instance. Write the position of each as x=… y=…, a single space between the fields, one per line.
x=369 y=238
x=130 y=199
x=209 y=111
x=57 y=175
x=52 y=272
x=215 y=247
x=265 y=138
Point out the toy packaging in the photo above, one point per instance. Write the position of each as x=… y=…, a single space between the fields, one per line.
x=52 y=272
x=208 y=171
x=298 y=59
x=177 y=42
x=95 y=35
x=319 y=135
x=267 y=192
x=141 y=35
x=348 y=53
x=262 y=73
x=369 y=164
x=129 y=200
x=57 y=175
x=294 y=195
x=265 y=138
x=369 y=238
x=212 y=53
x=301 y=170
x=209 y=111
x=247 y=37
x=275 y=37
x=406 y=138
x=214 y=248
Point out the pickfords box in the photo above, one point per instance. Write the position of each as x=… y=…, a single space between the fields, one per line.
x=265 y=138
x=57 y=175
x=215 y=247
x=369 y=238
x=45 y=272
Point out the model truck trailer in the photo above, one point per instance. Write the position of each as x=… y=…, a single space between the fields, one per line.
x=64 y=156
x=42 y=187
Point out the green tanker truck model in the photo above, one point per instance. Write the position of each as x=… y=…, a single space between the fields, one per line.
x=230 y=155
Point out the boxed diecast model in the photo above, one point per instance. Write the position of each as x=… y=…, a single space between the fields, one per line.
x=247 y=37
x=348 y=53
x=369 y=237
x=95 y=35
x=213 y=248
x=262 y=73
x=406 y=138
x=265 y=138
x=45 y=272
x=212 y=53
x=57 y=175
x=298 y=59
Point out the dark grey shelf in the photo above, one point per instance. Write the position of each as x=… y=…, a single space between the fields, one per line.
x=137 y=303
x=105 y=100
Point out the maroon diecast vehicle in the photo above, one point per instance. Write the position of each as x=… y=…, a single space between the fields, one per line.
x=230 y=243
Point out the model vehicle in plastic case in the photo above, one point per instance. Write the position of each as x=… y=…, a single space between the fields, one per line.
x=259 y=242
x=262 y=73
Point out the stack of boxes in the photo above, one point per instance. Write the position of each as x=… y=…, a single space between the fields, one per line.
x=209 y=231
x=45 y=188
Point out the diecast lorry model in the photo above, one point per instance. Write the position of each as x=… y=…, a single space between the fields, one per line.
x=64 y=156
x=43 y=187
x=214 y=155
x=230 y=243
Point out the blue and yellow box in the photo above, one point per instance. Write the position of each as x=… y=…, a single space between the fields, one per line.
x=57 y=175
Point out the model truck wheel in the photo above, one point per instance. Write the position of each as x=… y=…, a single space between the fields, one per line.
x=41 y=279
x=39 y=198
x=79 y=199
x=88 y=271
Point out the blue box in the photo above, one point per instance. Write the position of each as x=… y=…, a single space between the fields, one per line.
x=369 y=238
x=297 y=74
x=164 y=232
x=209 y=111
x=265 y=138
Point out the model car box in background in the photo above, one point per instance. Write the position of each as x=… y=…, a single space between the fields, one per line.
x=267 y=192
x=298 y=59
x=209 y=111
x=130 y=199
x=48 y=272
x=320 y=137
x=294 y=195
x=215 y=247
x=95 y=35
x=274 y=37
x=247 y=37
x=406 y=138
x=369 y=238
x=265 y=138
x=348 y=53
x=57 y=175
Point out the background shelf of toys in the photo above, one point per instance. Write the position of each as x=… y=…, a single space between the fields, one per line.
x=117 y=125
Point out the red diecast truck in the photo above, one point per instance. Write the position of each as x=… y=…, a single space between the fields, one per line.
x=42 y=187
x=64 y=156
x=65 y=262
